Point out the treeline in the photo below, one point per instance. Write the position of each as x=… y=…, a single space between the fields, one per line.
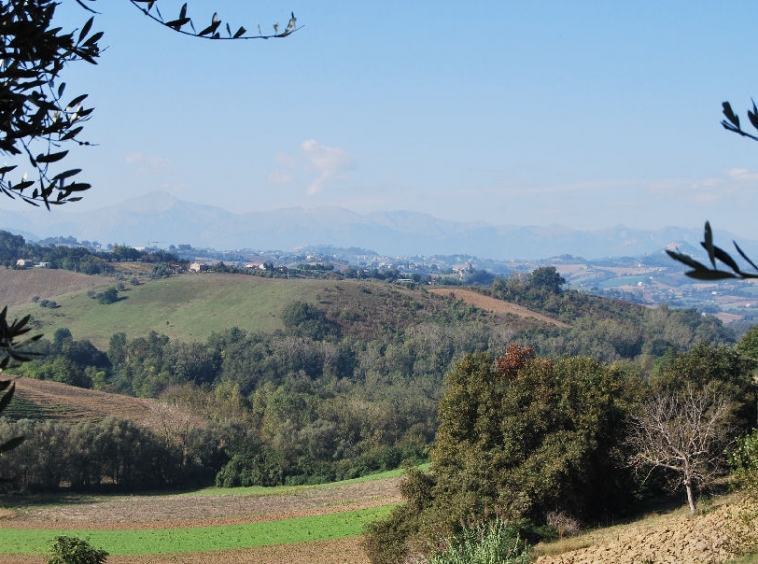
x=602 y=328
x=323 y=400
x=114 y=454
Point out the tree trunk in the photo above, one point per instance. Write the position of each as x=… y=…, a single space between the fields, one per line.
x=690 y=497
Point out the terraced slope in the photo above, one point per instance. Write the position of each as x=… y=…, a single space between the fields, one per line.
x=78 y=404
x=39 y=399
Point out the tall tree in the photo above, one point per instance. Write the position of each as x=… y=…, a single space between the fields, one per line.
x=526 y=434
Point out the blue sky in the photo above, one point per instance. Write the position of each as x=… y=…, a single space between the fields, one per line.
x=586 y=114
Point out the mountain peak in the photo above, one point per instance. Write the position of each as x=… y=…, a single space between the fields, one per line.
x=159 y=216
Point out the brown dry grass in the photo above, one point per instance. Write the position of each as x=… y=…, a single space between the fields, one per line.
x=496 y=306
x=18 y=287
x=714 y=536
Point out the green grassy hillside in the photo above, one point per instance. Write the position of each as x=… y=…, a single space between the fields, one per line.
x=187 y=308
x=192 y=306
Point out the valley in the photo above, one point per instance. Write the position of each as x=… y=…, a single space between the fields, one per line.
x=282 y=386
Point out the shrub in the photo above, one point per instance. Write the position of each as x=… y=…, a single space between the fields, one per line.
x=389 y=540
x=744 y=461
x=564 y=523
x=484 y=543
x=108 y=297
x=73 y=550
x=385 y=541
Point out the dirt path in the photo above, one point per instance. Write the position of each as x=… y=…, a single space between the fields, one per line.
x=496 y=306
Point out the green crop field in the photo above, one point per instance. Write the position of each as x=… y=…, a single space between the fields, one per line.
x=197 y=539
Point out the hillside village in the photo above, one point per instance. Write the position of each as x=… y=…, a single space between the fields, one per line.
x=648 y=280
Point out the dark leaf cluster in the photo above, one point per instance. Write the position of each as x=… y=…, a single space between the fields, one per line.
x=717 y=257
x=732 y=121
x=215 y=29
x=37 y=119
x=12 y=353
x=700 y=271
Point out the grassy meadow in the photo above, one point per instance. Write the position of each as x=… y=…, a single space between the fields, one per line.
x=188 y=307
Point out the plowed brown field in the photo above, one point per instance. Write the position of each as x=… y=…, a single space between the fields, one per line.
x=79 y=403
x=340 y=551
x=496 y=306
x=20 y=286
x=714 y=537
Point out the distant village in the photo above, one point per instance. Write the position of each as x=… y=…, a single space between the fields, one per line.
x=649 y=280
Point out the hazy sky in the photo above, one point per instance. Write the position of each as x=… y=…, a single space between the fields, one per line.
x=580 y=113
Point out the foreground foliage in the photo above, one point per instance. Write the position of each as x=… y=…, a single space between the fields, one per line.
x=36 y=117
x=14 y=344
x=484 y=543
x=541 y=438
x=73 y=550
x=38 y=120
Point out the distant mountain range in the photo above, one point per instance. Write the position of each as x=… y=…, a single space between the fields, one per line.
x=162 y=218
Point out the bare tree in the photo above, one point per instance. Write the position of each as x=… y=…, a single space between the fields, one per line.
x=684 y=432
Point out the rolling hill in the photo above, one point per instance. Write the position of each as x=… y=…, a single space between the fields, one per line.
x=191 y=307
